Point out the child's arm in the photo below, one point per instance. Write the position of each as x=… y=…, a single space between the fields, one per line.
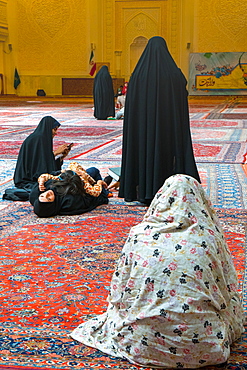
x=80 y=171
x=94 y=190
x=85 y=177
x=43 y=178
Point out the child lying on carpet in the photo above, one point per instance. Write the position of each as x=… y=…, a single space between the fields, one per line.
x=66 y=194
x=90 y=185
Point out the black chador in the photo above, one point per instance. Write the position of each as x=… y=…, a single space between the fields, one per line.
x=156 y=133
x=103 y=94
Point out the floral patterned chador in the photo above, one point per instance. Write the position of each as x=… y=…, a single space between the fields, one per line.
x=173 y=300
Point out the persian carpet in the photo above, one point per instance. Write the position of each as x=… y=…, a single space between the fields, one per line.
x=55 y=273
x=225 y=183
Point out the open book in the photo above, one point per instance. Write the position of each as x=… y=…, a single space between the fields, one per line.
x=114 y=172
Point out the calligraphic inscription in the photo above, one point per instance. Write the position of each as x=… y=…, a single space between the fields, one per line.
x=204 y=82
x=233 y=81
x=218 y=73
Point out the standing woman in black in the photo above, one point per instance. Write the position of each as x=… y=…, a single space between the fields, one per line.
x=156 y=133
x=103 y=94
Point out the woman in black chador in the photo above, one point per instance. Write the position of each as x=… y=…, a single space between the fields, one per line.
x=36 y=154
x=103 y=94
x=156 y=133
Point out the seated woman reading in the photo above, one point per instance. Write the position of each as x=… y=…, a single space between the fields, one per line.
x=66 y=194
x=173 y=298
x=36 y=154
x=35 y=157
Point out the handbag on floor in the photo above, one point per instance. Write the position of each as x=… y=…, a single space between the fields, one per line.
x=16 y=194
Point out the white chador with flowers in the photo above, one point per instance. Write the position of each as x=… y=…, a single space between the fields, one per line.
x=173 y=300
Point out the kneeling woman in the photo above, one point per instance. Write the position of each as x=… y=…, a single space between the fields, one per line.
x=173 y=300
x=65 y=195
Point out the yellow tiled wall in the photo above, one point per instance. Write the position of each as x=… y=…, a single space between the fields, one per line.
x=52 y=39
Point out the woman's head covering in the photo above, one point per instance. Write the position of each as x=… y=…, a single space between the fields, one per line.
x=46 y=209
x=156 y=131
x=46 y=125
x=173 y=300
x=181 y=203
x=55 y=123
x=103 y=93
x=36 y=154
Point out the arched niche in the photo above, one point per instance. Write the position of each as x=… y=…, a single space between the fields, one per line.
x=136 y=49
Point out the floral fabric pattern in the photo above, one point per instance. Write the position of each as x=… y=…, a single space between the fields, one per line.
x=90 y=186
x=173 y=300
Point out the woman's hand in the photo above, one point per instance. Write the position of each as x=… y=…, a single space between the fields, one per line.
x=102 y=183
x=62 y=149
x=42 y=186
x=41 y=180
x=114 y=186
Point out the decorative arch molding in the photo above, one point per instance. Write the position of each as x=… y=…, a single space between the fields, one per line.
x=140 y=40
x=140 y=25
x=136 y=49
x=4 y=32
x=108 y=34
x=145 y=19
x=150 y=13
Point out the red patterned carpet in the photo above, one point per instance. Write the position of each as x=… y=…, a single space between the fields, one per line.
x=55 y=273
